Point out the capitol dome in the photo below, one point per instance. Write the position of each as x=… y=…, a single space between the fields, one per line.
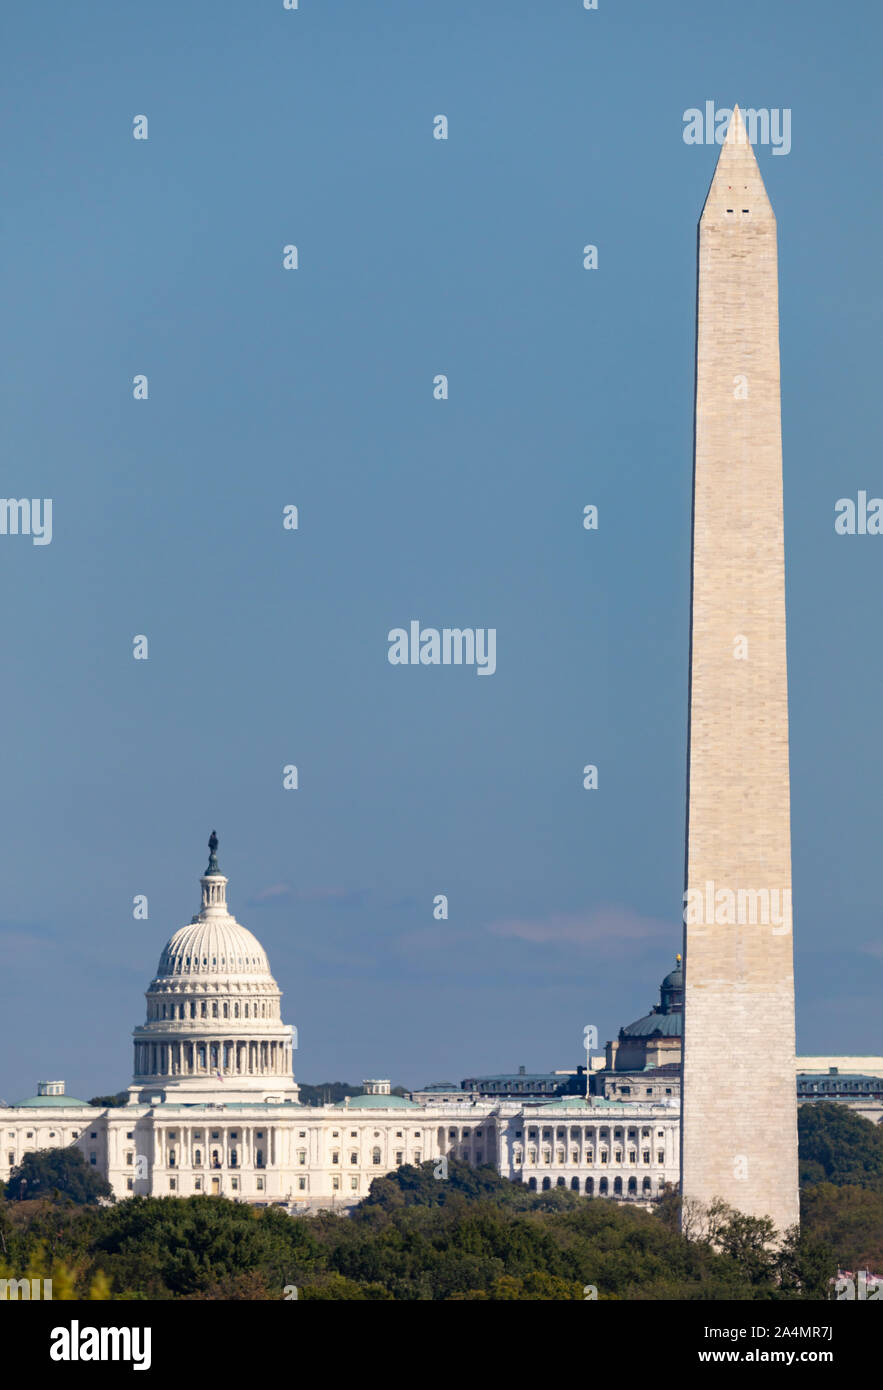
x=213 y=948
x=213 y=1013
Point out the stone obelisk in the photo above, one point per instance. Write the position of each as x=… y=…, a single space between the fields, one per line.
x=739 y=1108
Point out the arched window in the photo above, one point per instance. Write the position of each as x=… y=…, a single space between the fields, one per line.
x=375 y=1156
x=547 y=1183
x=602 y=1188
x=646 y=1187
x=590 y=1186
x=532 y=1184
x=633 y=1187
x=574 y=1184
x=617 y=1187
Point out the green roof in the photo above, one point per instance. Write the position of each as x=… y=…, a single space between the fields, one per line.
x=665 y=1025
x=51 y=1103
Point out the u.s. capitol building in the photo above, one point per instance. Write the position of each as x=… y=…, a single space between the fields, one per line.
x=213 y=1106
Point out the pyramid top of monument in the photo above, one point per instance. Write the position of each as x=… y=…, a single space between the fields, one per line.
x=737 y=191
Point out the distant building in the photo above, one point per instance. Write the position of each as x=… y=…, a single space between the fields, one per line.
x=214 y=1108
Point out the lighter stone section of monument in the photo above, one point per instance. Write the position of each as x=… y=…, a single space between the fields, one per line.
x=739 y=1111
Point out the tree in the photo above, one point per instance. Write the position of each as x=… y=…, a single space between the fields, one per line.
x=57 y=1173
x=805 y=1264
x=839 y=1146
x=111 y=1102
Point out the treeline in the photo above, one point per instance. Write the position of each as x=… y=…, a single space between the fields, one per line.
x=471 y=1236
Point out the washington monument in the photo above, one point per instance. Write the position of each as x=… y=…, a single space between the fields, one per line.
x=739 y=1107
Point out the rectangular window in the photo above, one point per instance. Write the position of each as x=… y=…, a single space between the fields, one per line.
x=234 y=1183
x=198 y=1184
x=335 y=1157
x=173 y=1184
x=335 y=1182
x=130 y=1158
x=260 y=1184
x=130 y=1184
x=301 y=1184
x=418 y=1157
x=354 y=1158
x=354 y=1182
x=93 y=1159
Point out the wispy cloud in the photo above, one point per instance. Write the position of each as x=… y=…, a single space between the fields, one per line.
x=605 y=926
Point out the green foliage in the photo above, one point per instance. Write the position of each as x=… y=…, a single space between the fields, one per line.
x=166 y=1247
x=327 y=1092
x=838 y=1146
x=849 y=1220
x=113 y=1102
x=472 y=1236
x=64 y=1171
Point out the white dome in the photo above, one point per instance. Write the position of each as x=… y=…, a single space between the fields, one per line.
x=213 y=946
x=213 y=1013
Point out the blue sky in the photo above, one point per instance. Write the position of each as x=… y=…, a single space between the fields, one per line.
x=267 y=647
